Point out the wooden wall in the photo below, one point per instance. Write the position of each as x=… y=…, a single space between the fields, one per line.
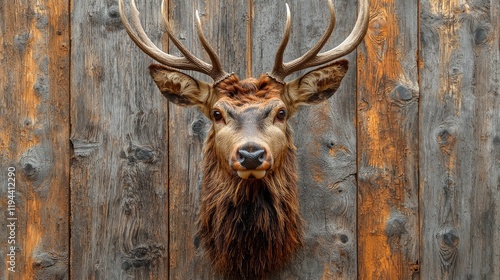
x=399 y=171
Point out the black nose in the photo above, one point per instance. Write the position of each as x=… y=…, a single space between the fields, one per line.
x=251 y=156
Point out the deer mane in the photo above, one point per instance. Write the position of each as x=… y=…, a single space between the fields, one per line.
x=249 y=227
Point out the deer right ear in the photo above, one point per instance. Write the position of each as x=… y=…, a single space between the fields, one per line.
x=181 y=89
x=315 y=86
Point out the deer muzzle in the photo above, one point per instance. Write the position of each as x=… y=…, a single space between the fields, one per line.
x=251 y=160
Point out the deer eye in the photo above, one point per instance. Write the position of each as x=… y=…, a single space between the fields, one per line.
x=217 y=115
x=281 y=115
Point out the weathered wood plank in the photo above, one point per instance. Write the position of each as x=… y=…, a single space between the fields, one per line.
x=119 y=196
x=34 y=54
x=459 y=151
x=225 y=25
x=325 y=136
x=388 y=229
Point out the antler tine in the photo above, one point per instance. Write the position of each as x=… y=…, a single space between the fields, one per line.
x=312 y=57
x=187 y=54
x=278 y=70
x=214 y=58
x=150 y=50
x=146 y=45
x=188 y=62
x=352 y=41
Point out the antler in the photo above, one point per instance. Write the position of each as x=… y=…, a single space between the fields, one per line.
x=313 y=57
x=188 y=61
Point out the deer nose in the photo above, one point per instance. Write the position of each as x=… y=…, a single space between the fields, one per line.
x=251 y=156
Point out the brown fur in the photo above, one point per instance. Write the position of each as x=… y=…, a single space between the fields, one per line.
x=249 y=90
x=249 y=227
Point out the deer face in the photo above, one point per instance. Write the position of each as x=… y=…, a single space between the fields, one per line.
x=250 y=117
x=250 y=137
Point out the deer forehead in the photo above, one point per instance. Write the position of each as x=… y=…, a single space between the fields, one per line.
x=256 y=110
x=249 y=91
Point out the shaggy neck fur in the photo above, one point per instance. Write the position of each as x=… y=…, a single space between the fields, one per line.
x=249 y=227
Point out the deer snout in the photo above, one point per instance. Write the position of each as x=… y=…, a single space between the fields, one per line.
x=251 y=160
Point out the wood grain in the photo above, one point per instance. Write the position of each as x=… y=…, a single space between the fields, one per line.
x=225 y=25
x=34 y=54
x=388 y=94
x=119 y=173
x=325 y=136
x=399 y=171
x=460 y=124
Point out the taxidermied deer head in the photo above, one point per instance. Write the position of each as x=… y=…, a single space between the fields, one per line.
x=249 y=222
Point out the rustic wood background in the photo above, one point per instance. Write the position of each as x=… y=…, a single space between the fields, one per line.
x=400 y=171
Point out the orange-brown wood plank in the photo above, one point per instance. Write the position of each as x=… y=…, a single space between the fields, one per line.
x=119 y=195
x=34 y=98
x=460 y=139
x=387 y=78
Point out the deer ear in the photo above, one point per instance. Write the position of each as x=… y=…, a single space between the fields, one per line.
x=315 y=86
x=181 y=89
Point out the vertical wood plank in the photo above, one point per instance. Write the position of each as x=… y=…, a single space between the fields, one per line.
x=34 y=53
x=119 y=135
x=225 y=25
x=460 y=125
x=325 y=136
x=388 y=231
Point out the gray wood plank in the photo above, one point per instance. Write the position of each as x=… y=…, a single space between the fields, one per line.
x=459 y=150
x=119 y=196
x=388 y=94
x=325 y=136
x=34 y=54
x=225 y=25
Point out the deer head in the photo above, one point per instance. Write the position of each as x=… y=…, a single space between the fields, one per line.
x=249 y=214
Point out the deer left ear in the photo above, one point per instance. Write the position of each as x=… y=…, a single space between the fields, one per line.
x=315 y=86
x=182 y=89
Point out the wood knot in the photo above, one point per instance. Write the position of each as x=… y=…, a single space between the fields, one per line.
x=496 y=141
x=139 y=153
x=395 y=226
x=481 y=35
x=113 y=12
x=84 y=148
x=142 y=256
x=199 y=127
x=50 y=265
x=108 y=17
x=378 y=28
x=41 y=86
x=35 y=164
x=112 y=18
x=403 y=93
x=44 y=260
x=142 y=154
x=446 y=136
x=30 y=169
x=448 y=239
x=415 y=267
x=344 y=238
